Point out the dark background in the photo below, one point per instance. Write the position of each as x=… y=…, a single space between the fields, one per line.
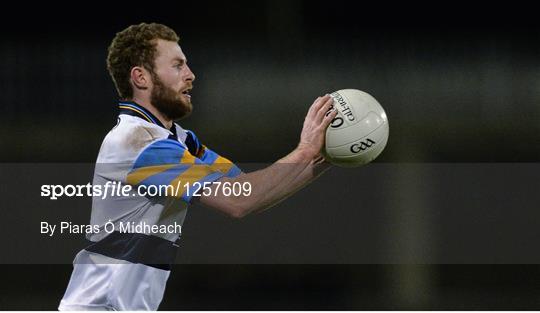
x=460 y=84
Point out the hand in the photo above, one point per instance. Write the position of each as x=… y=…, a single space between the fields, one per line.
x=317 y=120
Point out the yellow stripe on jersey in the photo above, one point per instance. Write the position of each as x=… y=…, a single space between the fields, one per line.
x=143 y=173
x=222 y=164
x=187 y=158
x=191 y=175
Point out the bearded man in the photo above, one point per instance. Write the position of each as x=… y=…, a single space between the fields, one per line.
x=128 y=270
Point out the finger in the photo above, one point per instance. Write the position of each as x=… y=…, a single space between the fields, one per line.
x=324 y=109
x=311 y=110
x=320 y=102
x=327 y=120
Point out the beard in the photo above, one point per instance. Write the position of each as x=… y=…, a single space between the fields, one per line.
x=169 y=102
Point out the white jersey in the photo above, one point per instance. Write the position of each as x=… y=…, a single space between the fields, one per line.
x=128 y=262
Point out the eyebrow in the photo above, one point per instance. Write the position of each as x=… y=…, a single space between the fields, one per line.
x=180 y=60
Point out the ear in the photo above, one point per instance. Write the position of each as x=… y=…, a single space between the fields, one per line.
x=140 y=77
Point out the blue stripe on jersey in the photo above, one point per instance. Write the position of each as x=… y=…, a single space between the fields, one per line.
x=161 y=152
x=193 y=143
x=209 y=157
x=234 y=171
x=137 y=248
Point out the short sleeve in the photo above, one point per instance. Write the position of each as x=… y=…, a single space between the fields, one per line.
x=168 y=165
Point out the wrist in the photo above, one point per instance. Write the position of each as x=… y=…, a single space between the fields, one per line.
x=306 y=152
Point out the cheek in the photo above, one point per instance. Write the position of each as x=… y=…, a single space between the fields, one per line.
x=174 y=79
x=170 y=79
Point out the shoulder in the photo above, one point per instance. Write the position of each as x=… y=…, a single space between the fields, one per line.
x=128 y=138
x=191 y=140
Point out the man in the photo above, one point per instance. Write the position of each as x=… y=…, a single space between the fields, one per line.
x=128 y=270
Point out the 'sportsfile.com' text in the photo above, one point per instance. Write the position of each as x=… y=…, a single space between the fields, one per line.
x=117 y=189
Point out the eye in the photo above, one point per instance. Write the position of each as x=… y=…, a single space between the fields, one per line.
x=179 y=64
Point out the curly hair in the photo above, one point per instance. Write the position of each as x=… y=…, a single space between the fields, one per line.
x=135 y=46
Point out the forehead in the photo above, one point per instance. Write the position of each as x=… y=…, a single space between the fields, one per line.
x=168 y=50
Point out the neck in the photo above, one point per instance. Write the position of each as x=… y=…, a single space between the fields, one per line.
x=147 y=105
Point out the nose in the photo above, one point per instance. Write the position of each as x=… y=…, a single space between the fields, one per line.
x=189 y=76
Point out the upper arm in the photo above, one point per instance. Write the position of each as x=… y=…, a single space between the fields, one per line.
x=168 y=163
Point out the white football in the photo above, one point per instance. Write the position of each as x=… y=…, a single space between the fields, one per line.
x=359 y=132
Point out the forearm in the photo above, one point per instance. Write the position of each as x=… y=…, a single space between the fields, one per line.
x=310 y=173
x=269 y=186
x=286 y=176
x=297 y=176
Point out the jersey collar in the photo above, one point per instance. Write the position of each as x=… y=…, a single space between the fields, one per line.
x=134 y=109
